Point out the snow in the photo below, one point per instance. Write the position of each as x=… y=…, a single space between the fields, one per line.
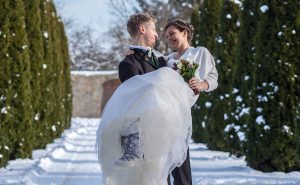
x=228 y=16
x=37 y=117
x=93 y=73
x=46 y=35
x=72 y=160
x=260 y=120
x=258 y=109
x=294 y=32
x=219 y=39
x=238 y=99
x=244 y=111
x=246 y=78
x=235 y=90
x=208 y=104
x=225 y=117
x=264 y=8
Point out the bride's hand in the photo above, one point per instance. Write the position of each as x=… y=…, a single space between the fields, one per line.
x=197 y=86
x=129 y=52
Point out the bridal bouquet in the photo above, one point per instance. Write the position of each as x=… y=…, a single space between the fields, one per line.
x=186 y=68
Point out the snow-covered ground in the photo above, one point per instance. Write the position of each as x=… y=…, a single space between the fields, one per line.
x=72 y=160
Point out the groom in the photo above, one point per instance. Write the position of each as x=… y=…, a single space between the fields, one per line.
x=142 y=30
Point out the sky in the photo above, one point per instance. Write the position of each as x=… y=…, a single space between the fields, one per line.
x=86 y=12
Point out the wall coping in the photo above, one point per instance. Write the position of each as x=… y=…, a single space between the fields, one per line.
x=94 y=73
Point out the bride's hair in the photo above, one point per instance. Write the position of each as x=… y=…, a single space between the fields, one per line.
x=181 y=26
x=136 y=20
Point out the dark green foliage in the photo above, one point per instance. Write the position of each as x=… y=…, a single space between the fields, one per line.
x=6 y=120
x=205 y=19
x=274 y=97
x=242 y=80
x=35 y=87
x=34 y=34
x=225 y=59
x=20 y=75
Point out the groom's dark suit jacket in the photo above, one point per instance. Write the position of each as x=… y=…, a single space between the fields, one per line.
x=138 y=64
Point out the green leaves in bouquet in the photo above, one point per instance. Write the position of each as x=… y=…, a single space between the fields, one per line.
x=187 y=69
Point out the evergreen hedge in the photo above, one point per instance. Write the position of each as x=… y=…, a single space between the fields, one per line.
x=205 y=19
x=35 y=87
x=255 y=110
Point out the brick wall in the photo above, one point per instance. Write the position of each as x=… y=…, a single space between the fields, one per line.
x=91 y=91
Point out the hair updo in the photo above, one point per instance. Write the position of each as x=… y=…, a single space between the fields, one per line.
x=181 y=26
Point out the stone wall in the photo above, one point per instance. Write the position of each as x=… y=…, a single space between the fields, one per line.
x=91 y=91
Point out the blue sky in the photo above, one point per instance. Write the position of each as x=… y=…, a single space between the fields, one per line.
x=86 y=12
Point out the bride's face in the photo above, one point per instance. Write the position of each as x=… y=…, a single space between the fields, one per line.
x=175 y=37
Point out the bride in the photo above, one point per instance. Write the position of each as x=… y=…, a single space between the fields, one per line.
x=146 y=125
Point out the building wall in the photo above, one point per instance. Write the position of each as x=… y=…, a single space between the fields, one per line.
x=91 y=91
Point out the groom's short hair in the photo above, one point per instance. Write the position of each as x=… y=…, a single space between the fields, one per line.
x=136 y=20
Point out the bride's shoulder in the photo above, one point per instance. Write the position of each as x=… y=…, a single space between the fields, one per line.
x=200 y=48
x=172 y=55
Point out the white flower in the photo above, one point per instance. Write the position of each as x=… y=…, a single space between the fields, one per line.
x=179 y=65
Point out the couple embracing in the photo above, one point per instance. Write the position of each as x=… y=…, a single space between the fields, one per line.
x=146 y=125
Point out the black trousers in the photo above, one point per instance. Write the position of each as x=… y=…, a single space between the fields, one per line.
x=182 y=175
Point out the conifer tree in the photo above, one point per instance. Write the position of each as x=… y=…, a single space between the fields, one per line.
x=205 y=19
x=225 y=59
x=67 y=99
x=34 y=34
x=206 y=24
x=242 y=83
x=47 y=73
x=271 y=137
x=7 y=132
x=20 y=76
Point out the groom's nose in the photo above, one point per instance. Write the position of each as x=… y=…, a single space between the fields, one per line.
x=156 y=36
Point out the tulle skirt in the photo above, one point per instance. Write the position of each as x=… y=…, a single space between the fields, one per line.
x=145 y=129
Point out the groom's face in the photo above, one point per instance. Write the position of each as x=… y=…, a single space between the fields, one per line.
x=150 y=34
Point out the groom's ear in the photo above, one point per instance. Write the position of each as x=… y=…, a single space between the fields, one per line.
x=142 y=29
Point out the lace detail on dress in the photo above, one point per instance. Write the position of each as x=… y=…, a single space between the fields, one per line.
x=130 y=145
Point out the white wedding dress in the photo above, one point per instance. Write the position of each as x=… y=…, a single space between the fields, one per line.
x=154 y=111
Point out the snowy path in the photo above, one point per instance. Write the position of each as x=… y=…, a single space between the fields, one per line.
x=71 y=160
